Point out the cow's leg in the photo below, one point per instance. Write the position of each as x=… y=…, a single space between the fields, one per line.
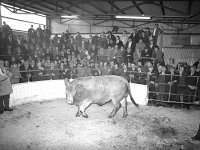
x=117 y=106
x=83 y=107
x=124 y=106
x=78 y=112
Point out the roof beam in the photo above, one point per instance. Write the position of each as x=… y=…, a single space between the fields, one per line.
x=115 y=6
x=162 y=8
x=189 y=7
x=32 y=8
x=74 y=5
x=101 y=22
x=59 y=6
x=138 y=8
x=132 y=6
x=125 y=23
x=169 y=8
x=97 y=7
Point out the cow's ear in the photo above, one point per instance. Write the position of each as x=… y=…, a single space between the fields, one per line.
x=67 y=82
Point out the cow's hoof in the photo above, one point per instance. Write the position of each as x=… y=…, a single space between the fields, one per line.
x=124 y=115
x=78 y=114
x=85 y=115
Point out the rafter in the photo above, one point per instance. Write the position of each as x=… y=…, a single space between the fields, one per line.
x=101 y=22
x=169 y=8
x=125 y=23
x=63 y=8
x=189 y=7
x=32 y=8
x=115 y=6
x=98 y=8
x=74 y=5
x=162 y=8
x=132 y=6
x=138 y=8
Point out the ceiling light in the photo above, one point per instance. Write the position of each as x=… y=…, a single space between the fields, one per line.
x=70 y=17
x=133 y=17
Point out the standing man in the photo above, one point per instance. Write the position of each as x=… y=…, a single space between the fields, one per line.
x=31 y=35
x=5 y=89
x=125 y=37
x=156 y=32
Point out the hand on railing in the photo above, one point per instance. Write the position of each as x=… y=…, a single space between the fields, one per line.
x=192 y=87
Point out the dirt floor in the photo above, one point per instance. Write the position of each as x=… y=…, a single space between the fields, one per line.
x=52 y=125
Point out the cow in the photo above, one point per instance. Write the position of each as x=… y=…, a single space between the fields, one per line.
x=100 y=90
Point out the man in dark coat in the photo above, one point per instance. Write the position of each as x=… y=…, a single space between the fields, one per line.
x=5 y=89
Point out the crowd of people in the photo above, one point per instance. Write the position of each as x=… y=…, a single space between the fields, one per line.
x=135 y=56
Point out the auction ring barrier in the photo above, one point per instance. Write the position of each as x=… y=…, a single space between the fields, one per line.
x=55 y=89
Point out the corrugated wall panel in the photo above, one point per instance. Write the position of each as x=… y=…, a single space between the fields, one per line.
x=182 y=54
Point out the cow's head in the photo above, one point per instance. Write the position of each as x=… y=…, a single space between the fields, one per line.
x=70 y=91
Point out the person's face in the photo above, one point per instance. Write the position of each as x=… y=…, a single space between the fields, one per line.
x=159 y=68
x=116 y=66
x=52 y=65
x=150 y=69
x=163 y=69
x=109 y=47
x=171 y=61
x=192 y=69
x=143 y=34
x=133 y=65
x=156 y=49
x=112 y=63
x=116 y=47
x=181 y=69
x=139 y=69
x=172 y=70
x=117 y=38
x=125 y=66
x=18 y=49
x=130 y=40
x=140 y=40
x=198 y=66
x=32 y=63
x=101 y=63
x=22 y=61
x=105 y=64
x=13 y=59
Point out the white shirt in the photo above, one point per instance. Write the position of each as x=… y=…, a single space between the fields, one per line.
x=125 y=39
x=154 y=31
x=129 y=44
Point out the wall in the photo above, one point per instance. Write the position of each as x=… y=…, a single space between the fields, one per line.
x=55 y=89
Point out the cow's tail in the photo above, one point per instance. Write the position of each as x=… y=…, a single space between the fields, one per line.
x=131 y=97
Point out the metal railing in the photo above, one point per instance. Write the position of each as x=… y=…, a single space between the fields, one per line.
x=153 y=89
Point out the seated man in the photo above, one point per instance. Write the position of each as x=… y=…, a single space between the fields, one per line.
x=102 y=54
x=140 y=77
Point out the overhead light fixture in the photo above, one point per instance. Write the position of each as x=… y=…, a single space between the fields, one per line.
x=132 y=17
x=70 y=17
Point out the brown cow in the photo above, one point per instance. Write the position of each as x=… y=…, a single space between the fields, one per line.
x=85 y=91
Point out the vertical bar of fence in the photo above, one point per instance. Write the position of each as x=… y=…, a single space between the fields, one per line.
x=170 y=86
x=195 y=94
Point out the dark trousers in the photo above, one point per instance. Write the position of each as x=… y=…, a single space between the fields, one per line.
x=190 y=95
x=180 y=90
x=4 y=102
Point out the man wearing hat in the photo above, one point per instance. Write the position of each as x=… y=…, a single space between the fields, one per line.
x=5 y=89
